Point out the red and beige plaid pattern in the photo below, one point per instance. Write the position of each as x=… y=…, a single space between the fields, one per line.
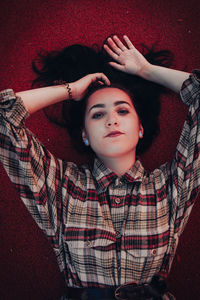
x=105 y=230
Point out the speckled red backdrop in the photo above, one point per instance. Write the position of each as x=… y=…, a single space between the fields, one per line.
x=28 y=268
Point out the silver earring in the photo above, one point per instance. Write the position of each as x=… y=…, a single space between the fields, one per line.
x=140 y=134
x=86 y=142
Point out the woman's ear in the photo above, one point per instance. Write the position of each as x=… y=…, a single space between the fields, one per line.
x=84 y=137
x=141 y=131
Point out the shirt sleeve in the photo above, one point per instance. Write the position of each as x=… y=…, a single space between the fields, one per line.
x=35 y=172
x=184 y=170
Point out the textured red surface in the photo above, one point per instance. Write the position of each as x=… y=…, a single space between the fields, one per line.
x=28 y=268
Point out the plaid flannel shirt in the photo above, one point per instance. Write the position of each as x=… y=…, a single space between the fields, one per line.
x=105 y=230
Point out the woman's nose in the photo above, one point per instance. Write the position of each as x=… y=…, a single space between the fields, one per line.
x=112 y=120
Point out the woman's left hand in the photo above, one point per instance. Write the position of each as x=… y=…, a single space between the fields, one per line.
x=128 y=58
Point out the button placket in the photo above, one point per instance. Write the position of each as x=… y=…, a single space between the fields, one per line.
x=117 y=197
x=117 y=192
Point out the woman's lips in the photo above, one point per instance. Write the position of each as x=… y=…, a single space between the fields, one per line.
x=114 y=133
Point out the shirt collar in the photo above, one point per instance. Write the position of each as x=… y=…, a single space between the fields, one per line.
x=135 y=174
x=105 y=176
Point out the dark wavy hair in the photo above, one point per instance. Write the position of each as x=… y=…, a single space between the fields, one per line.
x=76 y=61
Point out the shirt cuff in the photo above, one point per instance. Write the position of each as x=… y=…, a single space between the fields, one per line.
x=12 y=108
x=191 y=88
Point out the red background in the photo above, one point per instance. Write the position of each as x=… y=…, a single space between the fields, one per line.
x=28 y=268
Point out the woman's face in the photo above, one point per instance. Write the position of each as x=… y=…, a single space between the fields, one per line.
x=111 y=123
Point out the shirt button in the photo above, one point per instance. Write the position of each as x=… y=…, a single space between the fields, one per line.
x=154 y=252
x=118 y=234
x=117 y=200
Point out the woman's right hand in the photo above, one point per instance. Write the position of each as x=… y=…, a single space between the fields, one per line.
x=80 y=87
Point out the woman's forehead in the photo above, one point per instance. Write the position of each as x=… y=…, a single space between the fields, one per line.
x=108 y=94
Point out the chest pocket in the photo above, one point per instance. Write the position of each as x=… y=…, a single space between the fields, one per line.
x=146 y=253
x=91 y=252
x=147 y=231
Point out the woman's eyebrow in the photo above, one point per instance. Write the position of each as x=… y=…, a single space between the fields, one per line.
x=103 y=105
x=96 y=105
x=121 y=102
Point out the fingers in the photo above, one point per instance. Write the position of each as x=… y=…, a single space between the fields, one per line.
x=115 y=46
x=110 y=52
x=101 y=77
x=116 y=66
x=128 y=42
x=119 y=43
x=81 y=86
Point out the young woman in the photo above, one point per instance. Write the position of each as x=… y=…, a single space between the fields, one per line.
x=114 y=227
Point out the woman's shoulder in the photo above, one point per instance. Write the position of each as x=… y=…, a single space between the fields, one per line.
x=77 y=172
x=157 y=175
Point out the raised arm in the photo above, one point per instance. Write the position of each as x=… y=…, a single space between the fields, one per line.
x=128 y=59
x=37 y=173
x=37 y=99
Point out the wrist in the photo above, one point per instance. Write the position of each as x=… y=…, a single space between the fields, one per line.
x=146 y=71
x=72 y=91
x=67 y=86
x=69 y=90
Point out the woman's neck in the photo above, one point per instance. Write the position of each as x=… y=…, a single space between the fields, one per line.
x=119 y=165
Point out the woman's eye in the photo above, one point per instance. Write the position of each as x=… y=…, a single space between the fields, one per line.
x=123 y=111
x=97 y=115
